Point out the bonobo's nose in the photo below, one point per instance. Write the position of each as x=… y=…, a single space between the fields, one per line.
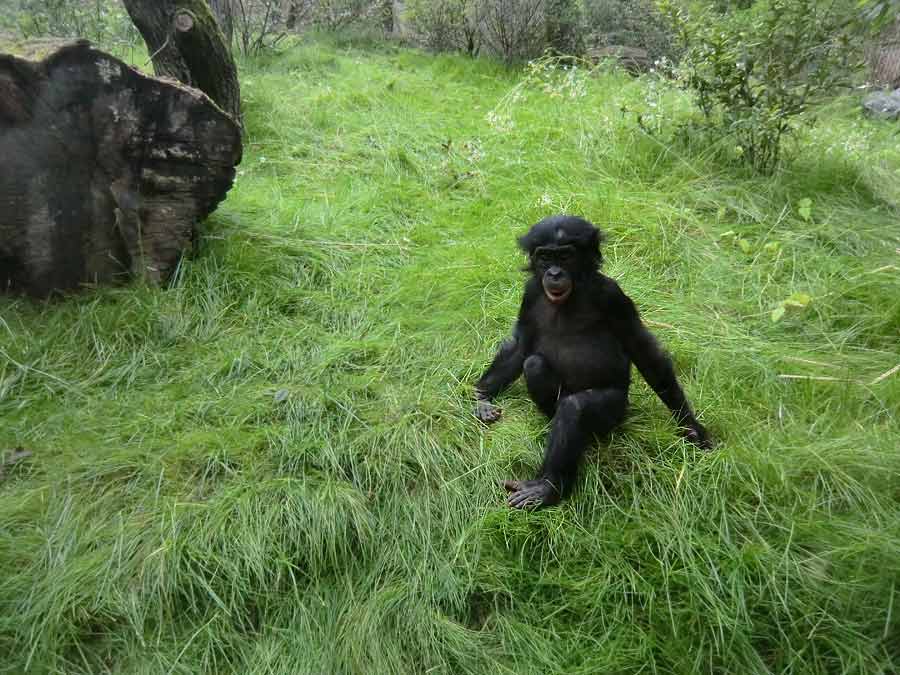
x=554 y=272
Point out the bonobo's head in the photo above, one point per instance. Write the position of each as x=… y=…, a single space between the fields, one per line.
x=563 y=251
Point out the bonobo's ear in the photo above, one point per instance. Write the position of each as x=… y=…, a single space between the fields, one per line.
x=528 y=241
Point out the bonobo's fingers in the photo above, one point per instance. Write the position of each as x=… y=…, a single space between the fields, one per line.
x=510 y=485
x=487 y=412
x=531 y=494
x=523 y=500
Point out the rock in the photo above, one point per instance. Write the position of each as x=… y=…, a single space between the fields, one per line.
x=633 y=59
x=883 y=105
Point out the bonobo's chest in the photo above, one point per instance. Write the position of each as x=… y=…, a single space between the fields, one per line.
x=572 y=331
x=578 y=342
x=579 y=317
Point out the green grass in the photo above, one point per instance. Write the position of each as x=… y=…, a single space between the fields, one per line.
x=270 y=465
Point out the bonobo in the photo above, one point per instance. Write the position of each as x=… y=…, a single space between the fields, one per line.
x=575 y=339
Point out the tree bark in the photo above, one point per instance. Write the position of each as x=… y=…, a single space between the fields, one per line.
x=186 y=42
x=224 y=12
x=104 y=171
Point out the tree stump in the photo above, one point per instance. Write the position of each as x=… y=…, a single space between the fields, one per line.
x=104 y=171
x=186 y=42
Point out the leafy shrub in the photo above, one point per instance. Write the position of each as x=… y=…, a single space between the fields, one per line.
x=630 y=23
x=445 y=25
x=333 y=15
x=102 y=21
x=256 y=23
x=512 y=29
x=263 y=24
x=753 y=75
x=880 y=13
x=563 y=27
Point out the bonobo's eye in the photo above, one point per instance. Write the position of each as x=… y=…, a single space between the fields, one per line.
x=541 y=257
x=547 y=256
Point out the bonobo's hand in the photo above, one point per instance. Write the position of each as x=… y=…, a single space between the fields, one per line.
x=696 y=434
x=531 y=494
x=486 y=411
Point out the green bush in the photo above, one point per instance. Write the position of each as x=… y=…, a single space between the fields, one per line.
x=631 y=23
x=102 y=21
x=563 y=27
x=445 y=25
x=513 y=30
x=880 y=13
x=333 y=15
x=754 y=74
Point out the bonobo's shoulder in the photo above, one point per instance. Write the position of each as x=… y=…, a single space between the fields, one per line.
x=530 y=295
x=607 y=290
x=532 y=290
x=608 y=294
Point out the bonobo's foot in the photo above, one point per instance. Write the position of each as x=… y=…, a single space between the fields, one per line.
x=697 y=435
x=531 y=494
x=487 y=412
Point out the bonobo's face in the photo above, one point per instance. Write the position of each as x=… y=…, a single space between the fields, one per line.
x=554 y=266
x=563 y=251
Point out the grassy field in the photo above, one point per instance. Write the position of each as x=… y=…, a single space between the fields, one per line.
x=270 y=465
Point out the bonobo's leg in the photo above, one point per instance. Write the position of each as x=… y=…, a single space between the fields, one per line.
x=578 y=418
x=544 y=386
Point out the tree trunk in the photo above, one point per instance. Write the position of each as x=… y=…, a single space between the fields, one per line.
x=293 y=14
x=224 y=12
x=186 y=43
x=104 y=171
x=387 y=17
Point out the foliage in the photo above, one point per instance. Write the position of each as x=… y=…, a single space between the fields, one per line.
x=445 y=25
x=563 y=27
x=880 y=13
x=102 y=21
x=512 y=29
x=270 y=465
x=632 y=23
x=334 y=15
x=262 y=24
x=755 y=77
x=731 y=5
x=258 y=24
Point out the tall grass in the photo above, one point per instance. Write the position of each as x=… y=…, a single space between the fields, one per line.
x=270 y=465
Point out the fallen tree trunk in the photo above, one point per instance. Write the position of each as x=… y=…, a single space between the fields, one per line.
x=104 y=171
x=185 y=42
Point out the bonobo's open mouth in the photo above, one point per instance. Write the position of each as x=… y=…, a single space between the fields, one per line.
x=557 y=295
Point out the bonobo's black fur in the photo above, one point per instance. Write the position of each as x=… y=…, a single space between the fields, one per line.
x=575 y=339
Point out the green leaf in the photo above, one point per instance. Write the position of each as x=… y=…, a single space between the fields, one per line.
x=804 y=208
x=798 y=300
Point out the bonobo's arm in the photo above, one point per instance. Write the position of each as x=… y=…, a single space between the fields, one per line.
x=653 y=364
x=503 y=371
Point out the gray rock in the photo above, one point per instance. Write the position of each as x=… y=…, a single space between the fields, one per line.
x=883 y=104
x=633 y=59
